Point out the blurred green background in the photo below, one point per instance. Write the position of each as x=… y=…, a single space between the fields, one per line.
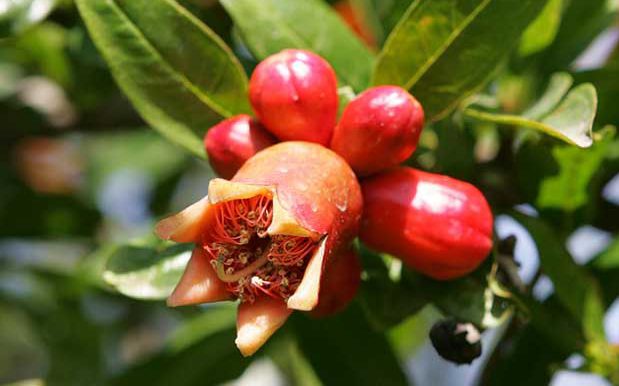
x=83 y=179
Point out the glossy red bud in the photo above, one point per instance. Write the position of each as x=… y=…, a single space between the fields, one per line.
x=339 y=284
x=233 y=141
x=379 y=129
x=294 y=95
x=437 y=225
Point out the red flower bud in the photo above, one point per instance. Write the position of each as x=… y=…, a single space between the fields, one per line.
x=437 y=225
x=232 y=142
x=294 y=95
x=378 y=129
x=339 y=284
x=267 y=236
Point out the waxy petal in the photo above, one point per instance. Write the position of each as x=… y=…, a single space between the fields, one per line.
x=257 y=321
x=220 y=190
x=185 y=226
x=283 y=222
x=305 y=297
x=199 y=283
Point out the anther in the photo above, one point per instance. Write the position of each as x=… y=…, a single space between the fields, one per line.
x=244 y=257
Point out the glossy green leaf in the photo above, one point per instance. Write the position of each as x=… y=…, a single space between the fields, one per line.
x=606 y=269
x=576 y=289
x=269 y=26
x=386 y=301
x=606 y=82
x=202 y=353
x=19 y=340
x=569 y=188
x=389 y=294
x=558 y=86
x=10 y=76
x=284 y=351
x=581 y=23
x=445 y=50
x=381 y=16
x=177 y=73
x=217 y=318
x=144 y=271
x=45 y=45
x=528 y=361
x=17 y=15
x=555 y=323
x=543 y=30
x=571 y=121
x=344 y=349
x=609 y=259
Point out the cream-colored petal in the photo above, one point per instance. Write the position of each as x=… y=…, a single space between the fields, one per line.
x=185 y=226
x=284 y=223
x=220 y=190
x=305 y=297
x=199 y=283
x=256 y=323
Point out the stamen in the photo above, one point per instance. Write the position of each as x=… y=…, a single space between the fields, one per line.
x=251 y=262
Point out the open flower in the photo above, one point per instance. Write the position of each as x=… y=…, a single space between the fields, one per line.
x=266 y=236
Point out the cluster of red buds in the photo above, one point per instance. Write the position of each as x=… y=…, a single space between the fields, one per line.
x=277 y=233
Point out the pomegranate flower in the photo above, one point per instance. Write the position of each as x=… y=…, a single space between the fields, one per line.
x=267 y=236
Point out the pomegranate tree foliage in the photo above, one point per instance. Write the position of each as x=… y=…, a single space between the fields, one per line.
x=508 y=110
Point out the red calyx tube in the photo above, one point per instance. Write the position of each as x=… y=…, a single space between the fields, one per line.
x=437 y=225
x=294 y=95
x=379 y=129
x=339 y=284
x=233 y=141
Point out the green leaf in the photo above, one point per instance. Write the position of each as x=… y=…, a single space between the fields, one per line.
x=529 y=360
x=380 y=15
x=143 y=271
x=555 y=322
x=345 y=350
x=569 y=188
x=219 y=317
x=385 y=301
x=558 y=86
x=609 y=259
x=197 y=355
x=269 y=26
x=177 y=73
x=10 y=75
x=543 y=30
x=44 y=47
x=576 y=289
x=445 y=50
x=390 y=294
x=74 y=346
x=571 y=121
x=283 y=350
x=581 y=23
x=606 y=82
x=17 y=15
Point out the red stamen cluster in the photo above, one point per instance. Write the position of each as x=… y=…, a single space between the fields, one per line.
x=247 y=259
